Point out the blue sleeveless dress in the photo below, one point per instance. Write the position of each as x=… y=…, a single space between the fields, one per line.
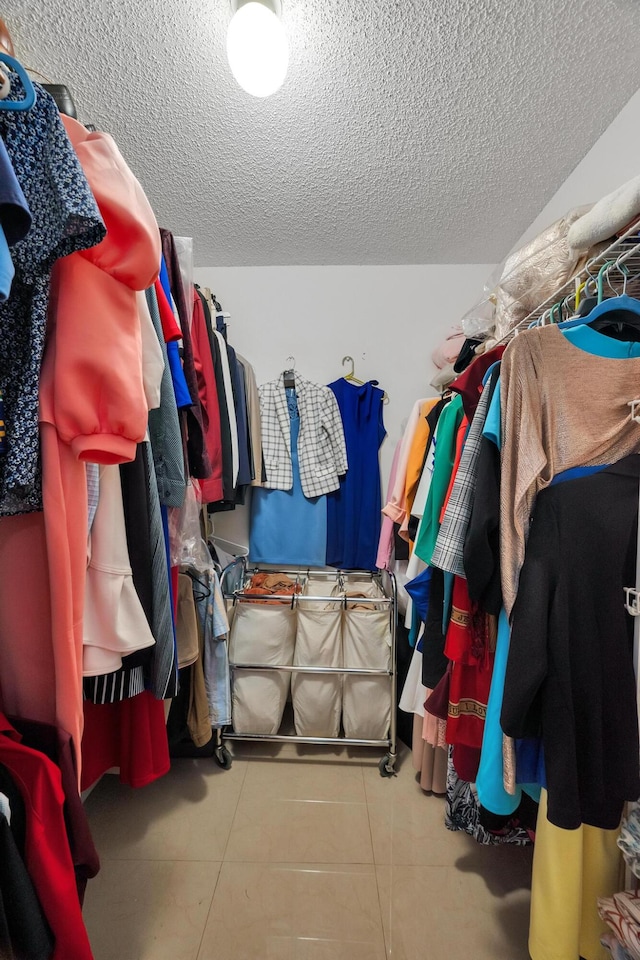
x=354 y=511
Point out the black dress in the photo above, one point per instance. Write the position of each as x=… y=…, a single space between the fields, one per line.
x=570 y=670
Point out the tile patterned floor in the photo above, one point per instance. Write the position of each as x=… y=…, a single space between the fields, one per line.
x=296 y=853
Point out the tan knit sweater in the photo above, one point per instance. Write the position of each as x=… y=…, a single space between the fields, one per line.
x=561 y=408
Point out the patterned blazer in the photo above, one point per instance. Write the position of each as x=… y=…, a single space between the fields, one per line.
x=322 y=452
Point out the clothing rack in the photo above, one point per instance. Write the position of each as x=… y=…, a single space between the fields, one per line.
x=233 y=582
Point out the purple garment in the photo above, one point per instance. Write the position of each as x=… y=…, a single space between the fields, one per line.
x=354 y=511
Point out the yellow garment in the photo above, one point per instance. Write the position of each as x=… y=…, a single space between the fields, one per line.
x=571 y=869
x=415 y=462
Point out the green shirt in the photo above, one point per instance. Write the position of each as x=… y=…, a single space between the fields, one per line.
x=445 y=453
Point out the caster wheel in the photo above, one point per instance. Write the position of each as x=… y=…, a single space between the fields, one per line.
x=224 y=758
x=387 y=766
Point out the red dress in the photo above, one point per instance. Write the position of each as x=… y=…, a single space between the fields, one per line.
x=470 y=645
x=47 y=853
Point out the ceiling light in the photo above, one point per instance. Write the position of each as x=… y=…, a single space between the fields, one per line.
x=257 y=47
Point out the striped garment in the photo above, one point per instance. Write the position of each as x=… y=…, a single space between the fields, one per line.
x=449 y=549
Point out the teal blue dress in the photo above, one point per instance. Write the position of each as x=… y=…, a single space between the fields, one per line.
x=288 y=528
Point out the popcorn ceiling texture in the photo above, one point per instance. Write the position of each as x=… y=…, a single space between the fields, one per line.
x=407 y=131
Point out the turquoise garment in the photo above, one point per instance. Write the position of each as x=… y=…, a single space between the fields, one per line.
x=286 y=527
x=492 y=426
x=489 y=782
x=445 y=452
x=591 y=341
x=6 y=267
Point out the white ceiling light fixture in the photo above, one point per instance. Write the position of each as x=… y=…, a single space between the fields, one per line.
x=257 y=47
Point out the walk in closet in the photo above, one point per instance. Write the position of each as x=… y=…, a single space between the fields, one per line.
x=319 y=480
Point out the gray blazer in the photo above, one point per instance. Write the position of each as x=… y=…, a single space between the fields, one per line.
x=322 y=452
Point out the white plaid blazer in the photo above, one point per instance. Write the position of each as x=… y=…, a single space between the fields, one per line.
x=322 y=452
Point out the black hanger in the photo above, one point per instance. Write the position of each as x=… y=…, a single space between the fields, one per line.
x=62 y=96
x=204 y=586
x=618 y=318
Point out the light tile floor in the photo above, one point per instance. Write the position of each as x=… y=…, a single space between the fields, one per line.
x=296 y=853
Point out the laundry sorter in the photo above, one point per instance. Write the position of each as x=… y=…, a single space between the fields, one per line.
x=328 y=645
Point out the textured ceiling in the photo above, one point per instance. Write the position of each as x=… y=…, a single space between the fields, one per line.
x=407 y=131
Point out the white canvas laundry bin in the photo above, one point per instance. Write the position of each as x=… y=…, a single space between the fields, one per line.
x=366 y=644
x=317 y=698
x=262 y=632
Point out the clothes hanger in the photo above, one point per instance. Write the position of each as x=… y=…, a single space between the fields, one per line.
x=290 y=374
x=617 y=316
x=206 y=589
x=29 y=98
x=351 y=377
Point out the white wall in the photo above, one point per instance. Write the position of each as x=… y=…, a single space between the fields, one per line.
x=388 y=318
x=613 y=159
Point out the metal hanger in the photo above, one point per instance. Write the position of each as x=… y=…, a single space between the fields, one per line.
x=351 y=376
x=352 y=373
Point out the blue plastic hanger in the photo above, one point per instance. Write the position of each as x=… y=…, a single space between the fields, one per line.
x=621 y=304
x=29 y=90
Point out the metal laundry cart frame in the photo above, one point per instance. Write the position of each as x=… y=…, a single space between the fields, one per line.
x=233 y=582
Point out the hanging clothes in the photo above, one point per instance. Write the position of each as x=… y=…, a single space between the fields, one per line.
x=385 y=556
x=445 y=452
x=42 y=677
x=395 y=507
x=537 y=398
x=164 y=426
x=130 y=735
x=449 y=549
x=15 y=219
x=243 y=477
x=115 y=624
x=570 y=667
x=253 y=413
x=286 y=526
x=322 y=452
x=47 y=853
x=353 y=510
x=199 y=464
x=415 y=464
x=65 y=218
x=24 y=931
x=228 y=423
x=212 y=489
